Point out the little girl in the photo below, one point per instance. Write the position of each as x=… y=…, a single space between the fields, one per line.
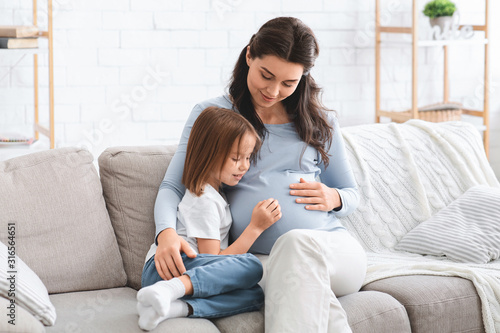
x=221 y=280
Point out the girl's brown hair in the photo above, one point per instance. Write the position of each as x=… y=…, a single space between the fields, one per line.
x=209 y=145
x=290 y=39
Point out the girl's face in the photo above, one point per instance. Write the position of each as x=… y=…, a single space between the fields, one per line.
x=271 y=79
x=238 y=161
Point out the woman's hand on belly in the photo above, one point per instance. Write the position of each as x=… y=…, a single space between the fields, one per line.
x=316 y=195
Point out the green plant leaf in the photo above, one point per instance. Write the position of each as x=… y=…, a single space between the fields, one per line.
x=437 y=8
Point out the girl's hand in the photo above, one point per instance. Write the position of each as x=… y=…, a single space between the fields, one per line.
x=316 y=195
x=265 y=214
x=168 y=259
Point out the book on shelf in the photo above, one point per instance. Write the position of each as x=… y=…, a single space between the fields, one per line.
x=15 y=139
x=18 y=31
x=18 y=43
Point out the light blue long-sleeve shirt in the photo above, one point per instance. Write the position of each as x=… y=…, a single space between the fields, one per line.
x=281 y=161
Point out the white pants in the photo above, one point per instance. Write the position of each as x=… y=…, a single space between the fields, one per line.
x=303 y=276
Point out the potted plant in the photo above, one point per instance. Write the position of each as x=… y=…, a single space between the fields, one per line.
x=440 y=13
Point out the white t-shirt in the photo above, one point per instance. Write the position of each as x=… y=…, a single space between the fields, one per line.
x=206 y=216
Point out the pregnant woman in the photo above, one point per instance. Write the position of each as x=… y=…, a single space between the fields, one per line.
x=302 y=163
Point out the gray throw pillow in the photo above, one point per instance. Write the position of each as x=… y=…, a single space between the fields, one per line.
x=467 y=230
x=62 y=228
x=131 y=177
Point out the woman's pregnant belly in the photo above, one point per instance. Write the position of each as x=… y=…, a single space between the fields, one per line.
x=243 y=198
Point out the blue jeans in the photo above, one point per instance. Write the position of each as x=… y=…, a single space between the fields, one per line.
x=223 y=285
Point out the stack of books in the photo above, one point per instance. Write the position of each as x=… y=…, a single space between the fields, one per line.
x=14 y=139
x=18 y=36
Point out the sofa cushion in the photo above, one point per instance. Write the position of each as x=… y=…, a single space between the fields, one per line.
x=113 y=310
x=247 y=322
x=372 y=311
x=467 y=230
x=63 y=231
x=23 y=320
x=367 y=311
x=21 y=286
x=130 y=178
x=435 y=303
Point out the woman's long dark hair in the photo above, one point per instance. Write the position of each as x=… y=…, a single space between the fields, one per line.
x=290 y=39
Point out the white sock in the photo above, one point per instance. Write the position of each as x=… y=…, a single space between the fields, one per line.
x=161 y=294
x=149 y=318
x=178 y=308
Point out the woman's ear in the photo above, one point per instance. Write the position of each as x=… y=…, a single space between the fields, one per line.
x=248 y=56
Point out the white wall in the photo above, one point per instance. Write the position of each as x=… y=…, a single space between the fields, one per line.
x=128 y=72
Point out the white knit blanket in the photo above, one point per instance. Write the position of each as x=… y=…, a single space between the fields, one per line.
x=406 y=173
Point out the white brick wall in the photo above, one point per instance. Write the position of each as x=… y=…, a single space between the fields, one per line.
x=129 y=71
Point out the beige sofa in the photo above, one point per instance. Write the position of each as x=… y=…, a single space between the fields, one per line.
x=85 y=234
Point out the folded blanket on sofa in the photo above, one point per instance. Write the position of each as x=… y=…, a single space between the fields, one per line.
x=407 y=173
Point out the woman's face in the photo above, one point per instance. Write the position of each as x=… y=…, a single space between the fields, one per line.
x=271 y=79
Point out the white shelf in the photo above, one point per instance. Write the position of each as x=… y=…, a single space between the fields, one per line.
x=23 y=51
x=20 y=150
x=45 y=46
x=443 y=42
x=415 y=36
